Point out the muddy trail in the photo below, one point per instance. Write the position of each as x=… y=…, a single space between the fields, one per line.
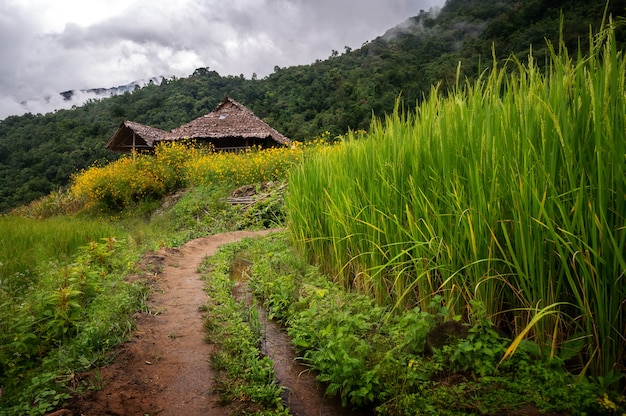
x=164 y=368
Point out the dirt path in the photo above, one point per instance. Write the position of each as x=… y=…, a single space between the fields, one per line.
x=164 y=370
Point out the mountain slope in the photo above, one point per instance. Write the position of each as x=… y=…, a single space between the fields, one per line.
x=38 y=153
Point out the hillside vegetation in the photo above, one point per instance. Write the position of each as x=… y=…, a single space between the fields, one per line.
x=465 y=256
x=65 y=299
x=39 y=153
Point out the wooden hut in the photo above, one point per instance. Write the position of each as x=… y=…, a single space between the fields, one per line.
x=135 y=136
x=230 y=127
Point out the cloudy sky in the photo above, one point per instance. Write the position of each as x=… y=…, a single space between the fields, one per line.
x=51 y=46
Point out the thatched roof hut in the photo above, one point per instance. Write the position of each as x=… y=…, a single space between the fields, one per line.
x=131 y=135
x=231 y=126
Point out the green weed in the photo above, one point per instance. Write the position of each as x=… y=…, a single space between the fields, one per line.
x=64 y=320
x=244 y=375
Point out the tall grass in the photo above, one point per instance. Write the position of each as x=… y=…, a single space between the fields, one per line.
x=511 y=190
x=56 y=203
x=26 y=243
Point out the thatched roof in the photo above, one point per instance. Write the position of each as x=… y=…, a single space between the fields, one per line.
x=134 y=135
x=229 y=119
x=230 y=125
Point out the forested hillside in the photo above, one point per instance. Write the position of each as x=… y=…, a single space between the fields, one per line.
x=38 y=153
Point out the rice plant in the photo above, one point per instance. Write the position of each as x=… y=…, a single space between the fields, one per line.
x=510 y=190
x=26 y=243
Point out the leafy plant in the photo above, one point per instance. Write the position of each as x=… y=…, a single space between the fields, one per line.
x=244 y=375
x=68 y=318
x=479 y=352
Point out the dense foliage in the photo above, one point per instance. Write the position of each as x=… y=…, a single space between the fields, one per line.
x=59 y=317
x=39 y=153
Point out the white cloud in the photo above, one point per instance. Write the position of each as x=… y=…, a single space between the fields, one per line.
x=51 y=46
x=52 y=16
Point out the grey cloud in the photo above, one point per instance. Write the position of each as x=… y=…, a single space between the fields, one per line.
x=15 y=36
x=151 y=38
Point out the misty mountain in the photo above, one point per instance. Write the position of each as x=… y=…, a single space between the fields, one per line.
x=109 y=92
x=74 y=98
x=38 y=153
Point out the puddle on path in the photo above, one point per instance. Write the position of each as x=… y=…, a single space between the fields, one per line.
x=303 y=394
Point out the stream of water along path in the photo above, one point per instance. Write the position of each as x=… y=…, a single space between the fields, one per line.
x=303 y=394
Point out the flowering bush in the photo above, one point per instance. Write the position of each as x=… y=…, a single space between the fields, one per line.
x=169 y=162
x=119 y=183
x=251 y=166
x=175 y=165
